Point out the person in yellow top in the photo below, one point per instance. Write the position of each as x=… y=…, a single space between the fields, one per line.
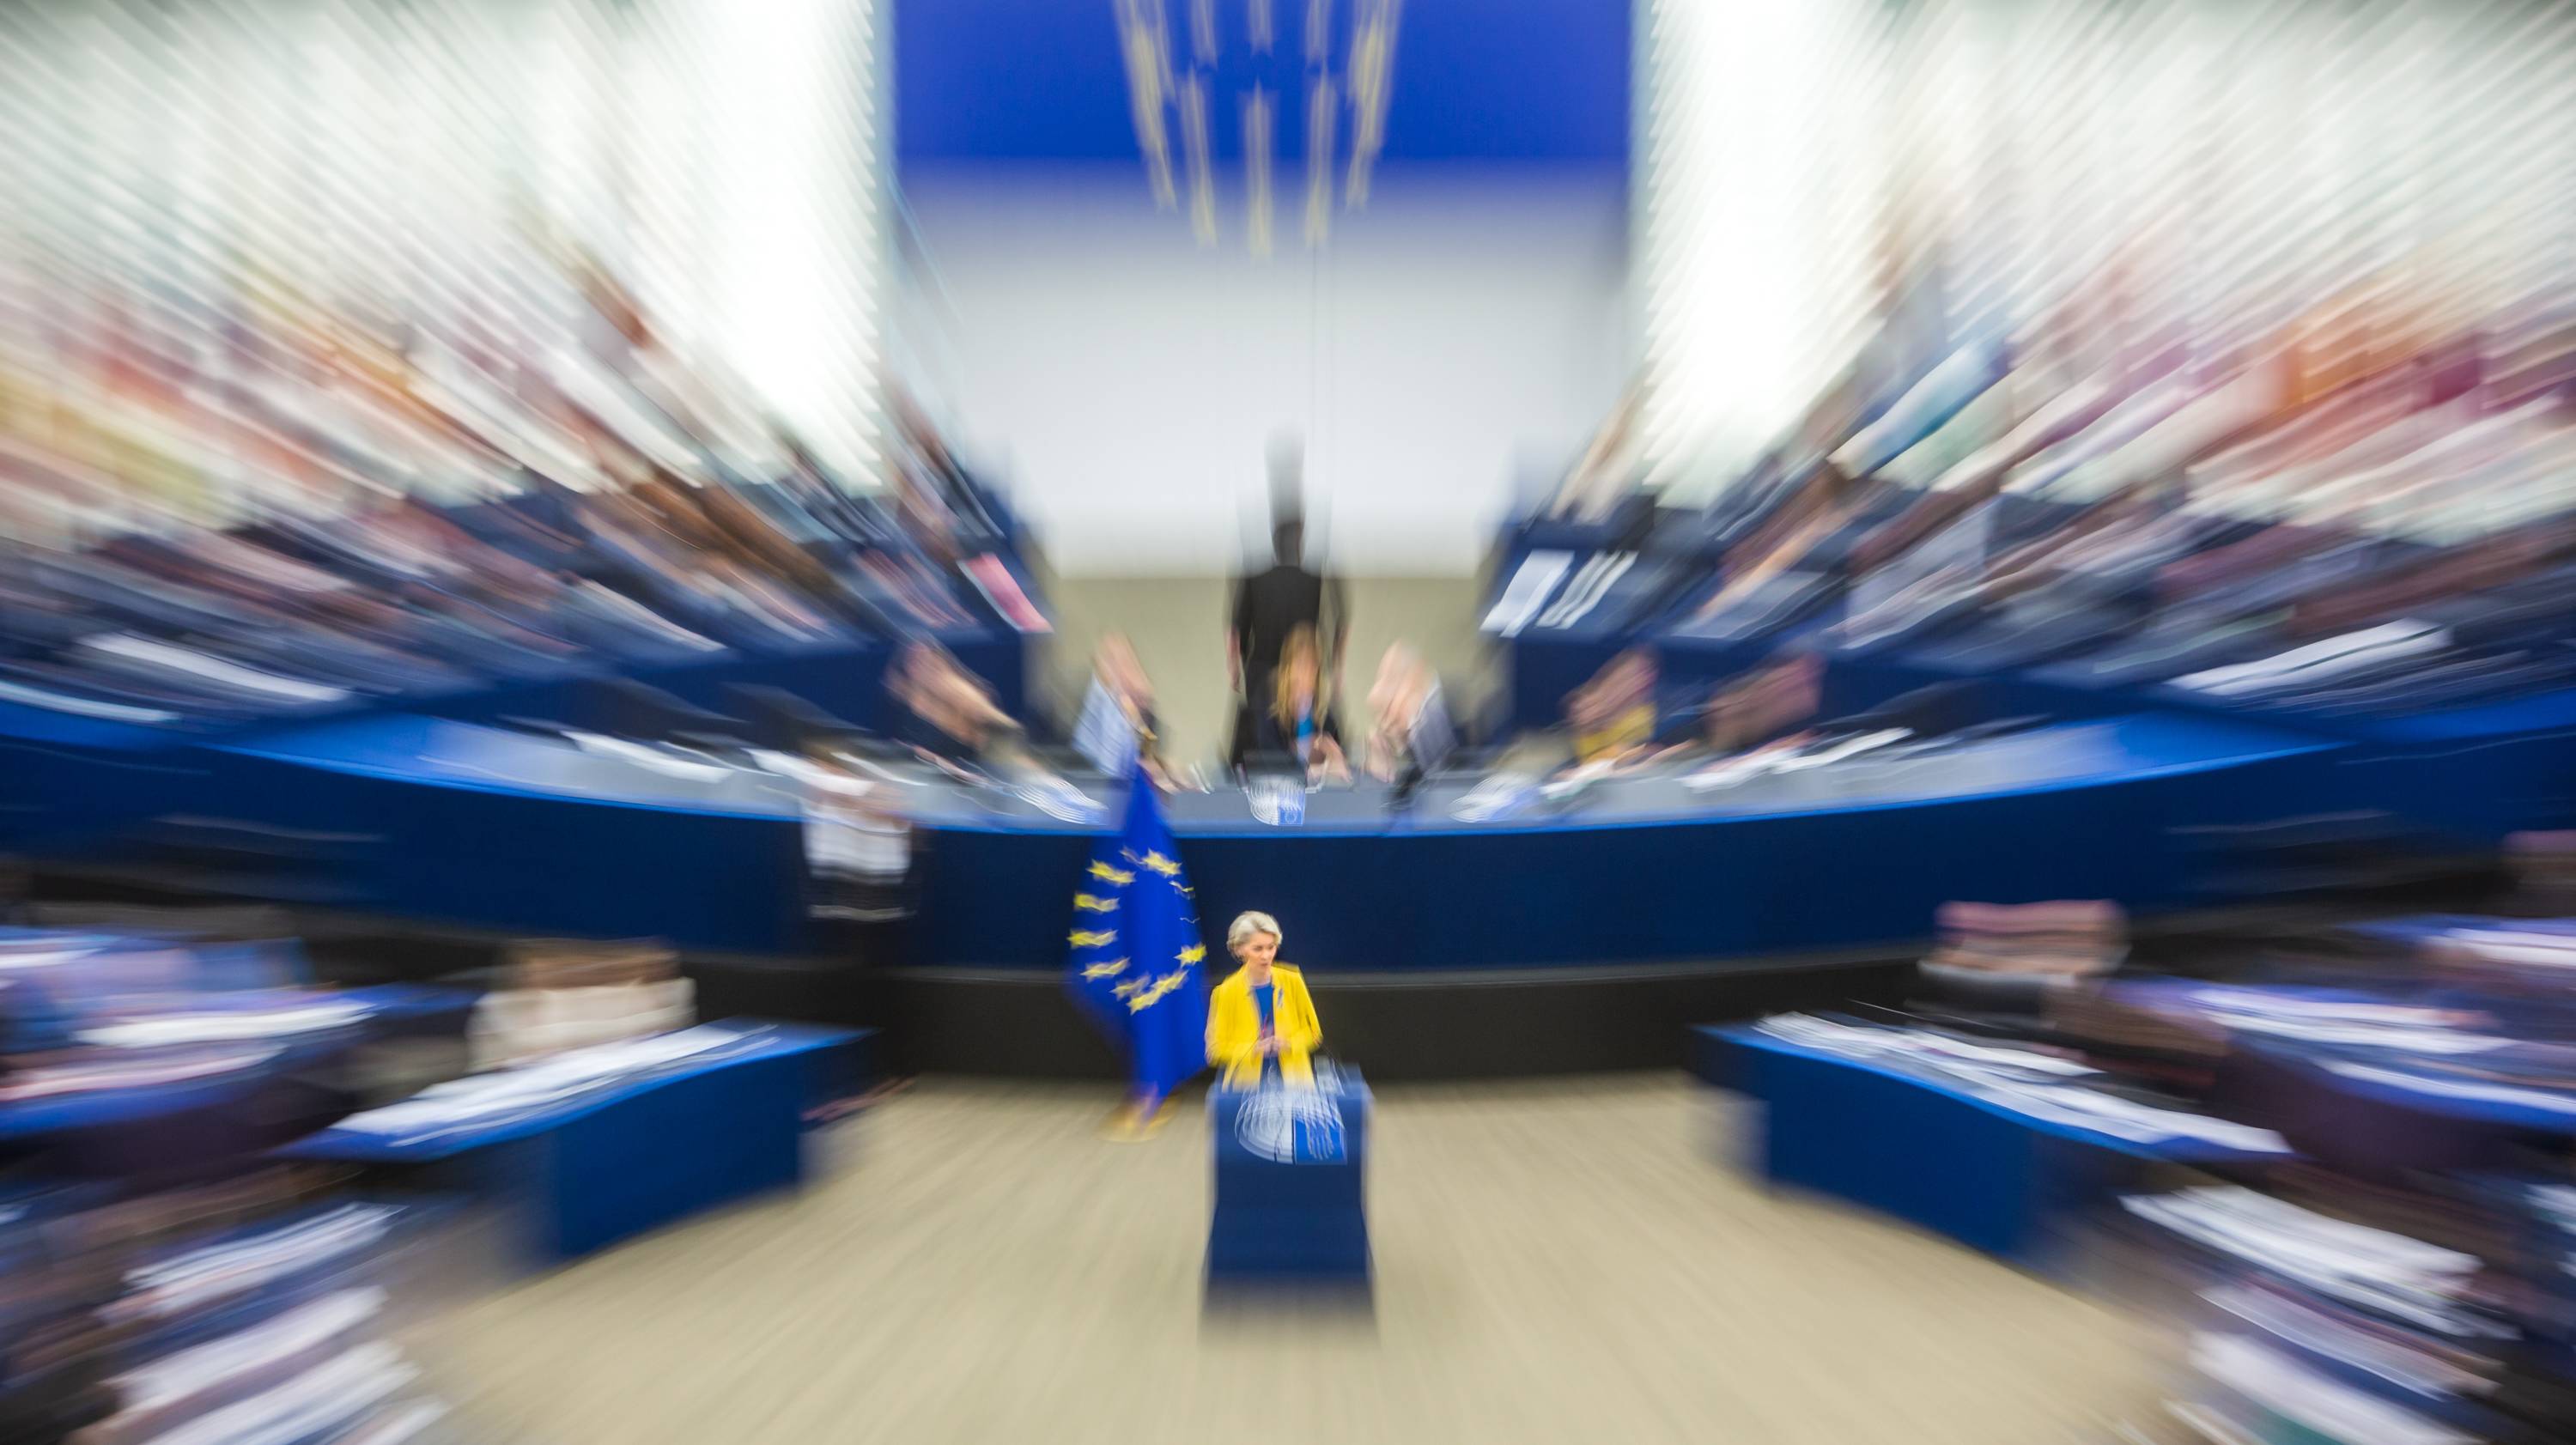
x=1261 y=1023
x=1612 y=717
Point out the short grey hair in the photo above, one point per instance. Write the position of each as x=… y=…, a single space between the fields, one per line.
x=1247 y=924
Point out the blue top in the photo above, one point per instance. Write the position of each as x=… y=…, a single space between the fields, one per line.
x=1262 y=997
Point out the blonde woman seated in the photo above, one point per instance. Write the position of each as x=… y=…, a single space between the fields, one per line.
x=1301 y=723
x=1261 y=1023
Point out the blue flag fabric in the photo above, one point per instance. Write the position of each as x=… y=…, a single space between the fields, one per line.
x=1137 y=962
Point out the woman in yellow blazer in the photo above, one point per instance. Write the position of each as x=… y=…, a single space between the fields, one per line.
x=1261 y=1023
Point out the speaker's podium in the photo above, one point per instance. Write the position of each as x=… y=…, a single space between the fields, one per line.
x=1290 y=1206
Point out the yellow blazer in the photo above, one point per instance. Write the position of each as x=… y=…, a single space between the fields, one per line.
x=1234 y=1028
x=1631 y=729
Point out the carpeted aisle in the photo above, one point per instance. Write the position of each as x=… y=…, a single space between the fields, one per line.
x=1557 y=1262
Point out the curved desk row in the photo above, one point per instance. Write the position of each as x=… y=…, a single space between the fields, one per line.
x=2478 y=770
x=509 y=830
x=68 y=778
x=1855 y=854
x=1574 y=934
x=1577 y=932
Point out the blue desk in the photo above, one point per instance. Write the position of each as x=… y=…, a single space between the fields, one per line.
x=2484 y=770
x=511 y=832
x=1852 y=857
x=2479 y=769
x=1969 y=1168
x=1844 y=858
x=65 y=779
x=1290 y=1197
x=58 y=770
x=275 y=1092
x=586 y=1173
x=2372 y=1116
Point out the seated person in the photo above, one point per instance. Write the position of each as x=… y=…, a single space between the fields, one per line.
x=951 y=717
x=1118 y=726
x=1820 y=506
x=1772 y=709
x=955 y=725
x=1413 y=734
x=1299 y=723
x=1773 y=705
x=1261 y=1021
x=1612 y=719
x=1756 y=721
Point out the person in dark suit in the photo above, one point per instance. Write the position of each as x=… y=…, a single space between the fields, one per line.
x=1268 y=607
x=1271 y=604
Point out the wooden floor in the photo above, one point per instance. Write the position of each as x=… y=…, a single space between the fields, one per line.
x=1570 y=1262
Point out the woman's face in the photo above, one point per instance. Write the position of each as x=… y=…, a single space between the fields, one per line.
x=1721 y=724
x=1635 y=677
x=1257 y=951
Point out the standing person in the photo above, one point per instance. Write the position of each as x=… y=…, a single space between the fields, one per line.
x=1268 y=607
x=858 y=852
x=1261 y=1021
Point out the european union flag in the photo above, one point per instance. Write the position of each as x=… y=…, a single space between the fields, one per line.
x=1137 y=962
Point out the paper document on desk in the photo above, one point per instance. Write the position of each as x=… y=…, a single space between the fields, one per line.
x=504 y=1093
x=649 y=758
x=1496 y=797
x=1835 y=752
x=1587 y=589
x=1527 y=592
x=1731 y=771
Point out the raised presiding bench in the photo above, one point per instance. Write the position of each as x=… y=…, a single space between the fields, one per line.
x=1290 y=1203
x=591 y=1147
x=1989 y=1165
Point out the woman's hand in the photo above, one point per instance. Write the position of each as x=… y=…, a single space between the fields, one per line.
x=1329 y=764
x=1381 y=760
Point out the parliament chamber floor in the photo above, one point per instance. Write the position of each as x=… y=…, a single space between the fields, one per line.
x=1557 y=1261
